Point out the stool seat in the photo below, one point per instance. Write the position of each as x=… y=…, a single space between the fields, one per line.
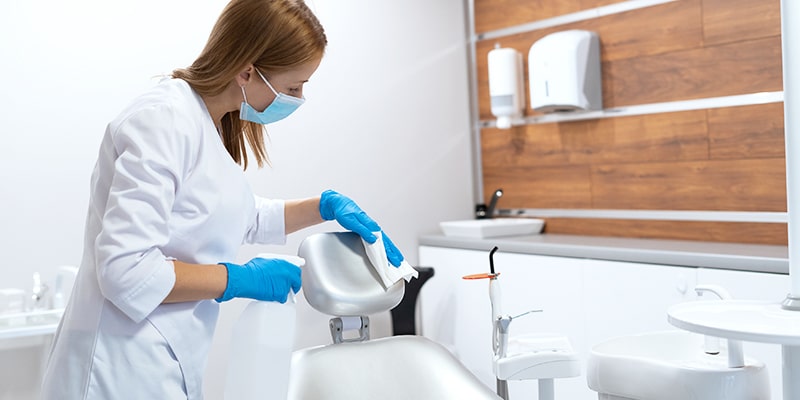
x=538 y=356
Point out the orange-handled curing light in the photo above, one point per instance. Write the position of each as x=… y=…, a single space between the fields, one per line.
x=480 y=276
x=494 y=285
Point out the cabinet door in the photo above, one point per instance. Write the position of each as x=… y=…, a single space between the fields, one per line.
x=746 y=285
x=629 y=298
x=438 y=298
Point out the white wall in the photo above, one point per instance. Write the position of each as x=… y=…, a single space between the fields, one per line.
x=386 y=121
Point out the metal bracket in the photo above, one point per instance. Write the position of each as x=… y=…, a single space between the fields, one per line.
x=338 y=327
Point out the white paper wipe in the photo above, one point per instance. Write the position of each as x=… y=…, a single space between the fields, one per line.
x=389 y=273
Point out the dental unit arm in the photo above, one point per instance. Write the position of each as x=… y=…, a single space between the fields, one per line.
x=501 y=324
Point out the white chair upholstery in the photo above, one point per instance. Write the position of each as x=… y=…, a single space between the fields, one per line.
x=338 y=280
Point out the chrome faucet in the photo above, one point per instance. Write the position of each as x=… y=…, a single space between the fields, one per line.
x=720 y=291
x=39 y=290
x=735 y=351
x=483 y=212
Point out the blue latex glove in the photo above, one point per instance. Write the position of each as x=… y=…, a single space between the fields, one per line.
x=261 y=279
x=349 y=215
x=392 y=252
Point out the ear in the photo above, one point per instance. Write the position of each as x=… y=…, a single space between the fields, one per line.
x=245 y=75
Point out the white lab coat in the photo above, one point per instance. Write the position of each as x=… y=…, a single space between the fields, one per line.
x=163 y=188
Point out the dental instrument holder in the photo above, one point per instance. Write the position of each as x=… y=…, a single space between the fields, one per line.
x=735 y=350
x=501 y=325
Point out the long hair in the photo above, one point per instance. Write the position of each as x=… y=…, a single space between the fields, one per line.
x=273 y=35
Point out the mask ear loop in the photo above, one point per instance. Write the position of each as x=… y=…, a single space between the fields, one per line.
x=267 y=82
x=244 y=95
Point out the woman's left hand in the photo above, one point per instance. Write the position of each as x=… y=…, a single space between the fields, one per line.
x=348 y=214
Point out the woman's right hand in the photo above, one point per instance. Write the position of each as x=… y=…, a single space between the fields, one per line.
x=261 y=279
x=349 y=215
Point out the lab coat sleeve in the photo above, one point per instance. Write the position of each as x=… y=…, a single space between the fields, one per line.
x=151 y=157
x=269 y=225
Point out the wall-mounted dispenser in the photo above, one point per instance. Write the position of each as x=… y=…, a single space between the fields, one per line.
x=506 y=87
x=564 y=72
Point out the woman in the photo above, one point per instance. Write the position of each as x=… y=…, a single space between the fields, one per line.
x=170 y=208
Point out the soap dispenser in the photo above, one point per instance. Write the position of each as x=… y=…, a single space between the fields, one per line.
x=564 y=72
x=506 y=87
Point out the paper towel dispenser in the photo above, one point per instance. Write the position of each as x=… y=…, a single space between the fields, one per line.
x=564 y=72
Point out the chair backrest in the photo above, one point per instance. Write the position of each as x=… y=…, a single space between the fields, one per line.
x=339 y=280
x=396 y=367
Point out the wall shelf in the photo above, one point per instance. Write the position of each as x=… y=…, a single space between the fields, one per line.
x=597 y=12
x=657 y=215
x=653 y=108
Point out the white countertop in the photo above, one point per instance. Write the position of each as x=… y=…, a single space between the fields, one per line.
x=35 y=323
x=736 y=256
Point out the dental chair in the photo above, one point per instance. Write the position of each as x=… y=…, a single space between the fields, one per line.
x=339 y=280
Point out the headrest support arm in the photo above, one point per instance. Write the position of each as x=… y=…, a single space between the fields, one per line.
x=340 y=324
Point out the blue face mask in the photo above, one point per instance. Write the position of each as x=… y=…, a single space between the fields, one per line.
x=280 y=108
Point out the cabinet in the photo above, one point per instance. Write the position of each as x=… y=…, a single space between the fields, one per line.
x=584 y=299
x=22 y=363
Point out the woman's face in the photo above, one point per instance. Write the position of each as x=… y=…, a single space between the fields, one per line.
x=289 y=82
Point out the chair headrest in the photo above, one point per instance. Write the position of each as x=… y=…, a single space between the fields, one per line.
x=339 y=280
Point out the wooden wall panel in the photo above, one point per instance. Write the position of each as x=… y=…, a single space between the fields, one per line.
x=735 y=232
x=523 y=146
x=725 y=21
x=542 y=187
x=718 y=159
x=634 y=34
x=746 y=132
x=731 y=69
x=491 y=15
x=732 y=185
x=658 y=137
x=622 y=36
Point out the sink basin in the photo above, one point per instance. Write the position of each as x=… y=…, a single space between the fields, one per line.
x=670 y=365
x=485 y=228
x=29 y=323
